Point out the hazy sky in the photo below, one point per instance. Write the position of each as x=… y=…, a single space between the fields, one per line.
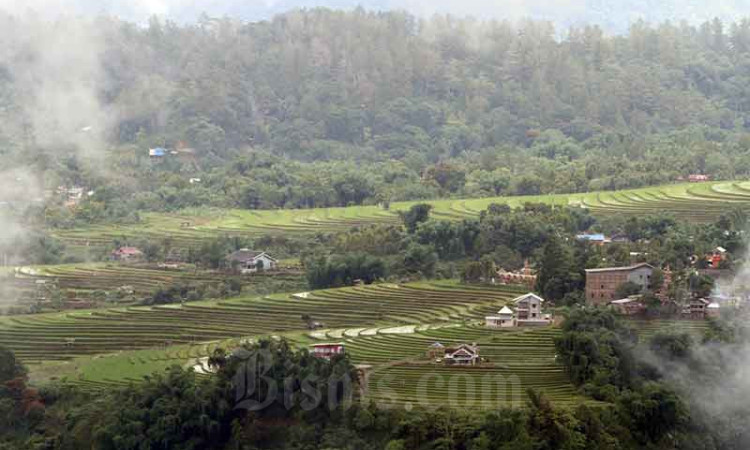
x=613 y=14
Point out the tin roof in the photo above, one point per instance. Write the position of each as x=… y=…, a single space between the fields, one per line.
x=624 y=268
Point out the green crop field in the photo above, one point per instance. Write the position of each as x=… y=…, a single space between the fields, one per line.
x=698 y=202
x=81 y=280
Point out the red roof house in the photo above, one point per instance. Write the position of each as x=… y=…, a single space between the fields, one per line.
x=328 y=350
x=127 y=254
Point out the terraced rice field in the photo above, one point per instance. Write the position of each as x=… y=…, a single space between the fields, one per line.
x=80 y=280
x=647 y=328
x=63 y=336
x=386 y=326
x=517 y=360
x=698 y=202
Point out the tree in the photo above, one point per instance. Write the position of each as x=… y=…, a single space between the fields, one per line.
x=420 y=259
x=472 y=272
x=10 y=367
x=557 y=275
x=671 y=345
x=700 y=286
x=344 y=270
x=417 y=214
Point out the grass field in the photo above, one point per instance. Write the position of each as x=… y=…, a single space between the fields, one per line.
x=698 y=202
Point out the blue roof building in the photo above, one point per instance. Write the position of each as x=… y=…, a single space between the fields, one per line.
x=158 y=151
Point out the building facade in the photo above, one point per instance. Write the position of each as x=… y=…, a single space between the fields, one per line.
x=327 y=351
x=601 y=284
x=503 y=319
x=248 y=261
x=463 y=355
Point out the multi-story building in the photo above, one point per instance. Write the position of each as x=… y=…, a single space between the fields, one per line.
x=601 y=284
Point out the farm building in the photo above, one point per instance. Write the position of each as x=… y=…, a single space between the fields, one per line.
x=601 y=284
x=327 y=351
x=463 y=355
x=697 y=178
x=249 y=261
x=126 y=254
x=503 y=319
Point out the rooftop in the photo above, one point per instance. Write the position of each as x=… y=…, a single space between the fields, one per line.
x=591 y=237
x=624 y=268
x=244 y=255
x=624 y=301
x=128 y=251
x=528 y=296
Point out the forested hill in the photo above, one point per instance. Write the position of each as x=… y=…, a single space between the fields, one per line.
x=612 y=15
x=385 y=105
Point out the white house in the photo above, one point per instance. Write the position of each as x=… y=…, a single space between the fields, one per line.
x=529 y=310
x=503 y=319
x=248 y=261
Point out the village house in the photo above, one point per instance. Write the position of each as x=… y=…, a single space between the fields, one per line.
x=601 y=284
x=73 y=195
x=696 y=309
x=529 y=311
x=525 y=276
x=597 y=239
x=249 y=261
x=327 y=350
x=126 y=254
x=505 y=318
x=436 y=351
x=716 y=257
x=631 y=306
x=462 y=355
x=697 y=178
x=158 y=152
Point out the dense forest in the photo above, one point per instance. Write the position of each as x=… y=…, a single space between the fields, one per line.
x=321 y=108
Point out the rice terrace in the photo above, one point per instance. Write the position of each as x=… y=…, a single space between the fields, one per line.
x=385 y=326
x=695 y=202
x=374 y=225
